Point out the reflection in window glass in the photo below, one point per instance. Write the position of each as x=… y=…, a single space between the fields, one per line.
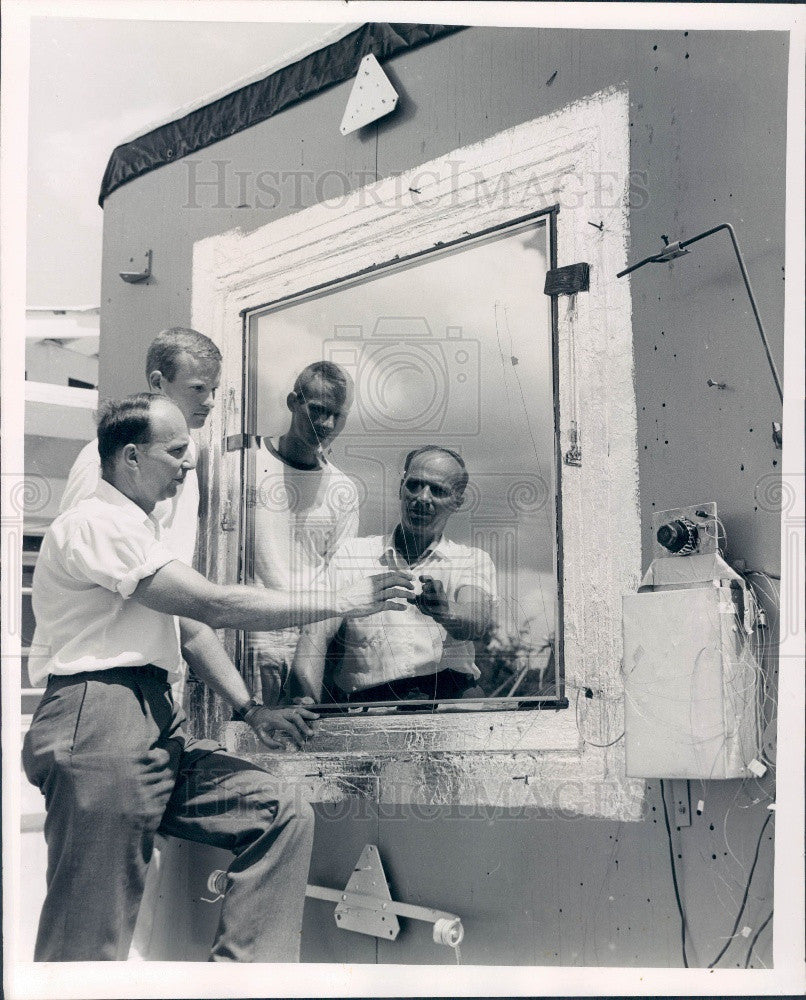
x=453 y=349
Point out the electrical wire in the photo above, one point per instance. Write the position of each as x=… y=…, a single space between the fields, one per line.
x=590 y=743
x=746 y=893
x=756 y=936
x=674 y=874
x=513 y=369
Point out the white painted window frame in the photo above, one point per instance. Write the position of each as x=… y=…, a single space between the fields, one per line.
x=577 y=159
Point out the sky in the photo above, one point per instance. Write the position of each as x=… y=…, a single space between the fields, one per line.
x=94 y=84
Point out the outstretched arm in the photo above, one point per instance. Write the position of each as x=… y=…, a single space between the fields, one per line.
x=176 y=589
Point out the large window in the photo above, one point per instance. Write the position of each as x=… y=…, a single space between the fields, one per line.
x=453 y=348
x=415 y=281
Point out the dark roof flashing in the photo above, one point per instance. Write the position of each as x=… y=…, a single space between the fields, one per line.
x=262 y=99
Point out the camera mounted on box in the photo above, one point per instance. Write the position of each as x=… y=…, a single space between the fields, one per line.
x=683 y=531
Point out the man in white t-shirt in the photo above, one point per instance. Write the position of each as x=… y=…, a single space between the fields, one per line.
x=427 y=652
x=302 y=509
x=185 y=366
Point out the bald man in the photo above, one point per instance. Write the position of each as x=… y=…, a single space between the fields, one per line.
x=427 y=652
x=107 y=745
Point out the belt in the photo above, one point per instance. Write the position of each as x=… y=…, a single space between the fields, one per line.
x=142 y=670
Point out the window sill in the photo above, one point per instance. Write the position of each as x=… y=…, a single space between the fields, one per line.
x=475 y=761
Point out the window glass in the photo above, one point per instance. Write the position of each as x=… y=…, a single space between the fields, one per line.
x=453 y=349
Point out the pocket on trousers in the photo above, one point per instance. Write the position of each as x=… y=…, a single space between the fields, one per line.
x=79 y=713
x=53 y=728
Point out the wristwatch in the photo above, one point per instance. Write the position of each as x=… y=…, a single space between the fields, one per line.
x=240 y=714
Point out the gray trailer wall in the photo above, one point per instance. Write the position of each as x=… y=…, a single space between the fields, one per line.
x=707 y=146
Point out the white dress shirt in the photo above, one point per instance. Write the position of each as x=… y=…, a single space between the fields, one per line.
x=91 y=561
x=177 y=517
x=391 y=645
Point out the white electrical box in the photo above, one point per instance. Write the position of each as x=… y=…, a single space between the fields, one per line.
x=690 y=686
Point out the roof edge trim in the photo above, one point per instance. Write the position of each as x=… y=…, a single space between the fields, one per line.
x=254 y=103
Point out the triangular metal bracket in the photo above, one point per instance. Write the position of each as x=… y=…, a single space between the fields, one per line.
x=365 y=905
x=372 y=96
x=368 y=879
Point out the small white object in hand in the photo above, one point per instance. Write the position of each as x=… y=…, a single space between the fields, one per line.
x=417 y=584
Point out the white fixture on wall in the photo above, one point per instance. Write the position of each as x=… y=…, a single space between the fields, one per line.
x=690 y=678
x=372 y=96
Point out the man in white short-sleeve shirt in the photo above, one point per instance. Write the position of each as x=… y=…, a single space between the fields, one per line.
x=302 y=509
x=426 y=652
x=185 y=366
x=107 y=745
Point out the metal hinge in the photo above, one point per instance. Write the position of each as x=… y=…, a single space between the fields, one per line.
x=568 y=280
x=229 y=522
x=240 y=442
x=366 y=905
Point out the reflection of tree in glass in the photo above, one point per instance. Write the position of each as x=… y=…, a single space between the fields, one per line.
x=511 y=664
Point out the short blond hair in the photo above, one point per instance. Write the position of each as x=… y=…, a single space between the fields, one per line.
x=163 y=353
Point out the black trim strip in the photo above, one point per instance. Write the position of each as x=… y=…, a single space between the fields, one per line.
x=513 y=703
x=258 y=101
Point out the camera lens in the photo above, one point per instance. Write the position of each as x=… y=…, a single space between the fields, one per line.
x=679 y=536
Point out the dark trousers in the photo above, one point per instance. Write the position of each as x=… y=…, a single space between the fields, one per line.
x=109 y=753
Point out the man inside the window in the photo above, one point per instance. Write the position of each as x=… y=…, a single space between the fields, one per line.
x=426 y=652
x=303 y=508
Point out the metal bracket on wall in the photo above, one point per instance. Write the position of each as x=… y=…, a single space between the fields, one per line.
x=366 y=905
x=574 y=454
x=681 y=801
x=132 y=277
x=372 y=96
x=568 y=280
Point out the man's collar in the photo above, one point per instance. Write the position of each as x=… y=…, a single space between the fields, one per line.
x=321 y=460
x=440 y=547
x=111 y=494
